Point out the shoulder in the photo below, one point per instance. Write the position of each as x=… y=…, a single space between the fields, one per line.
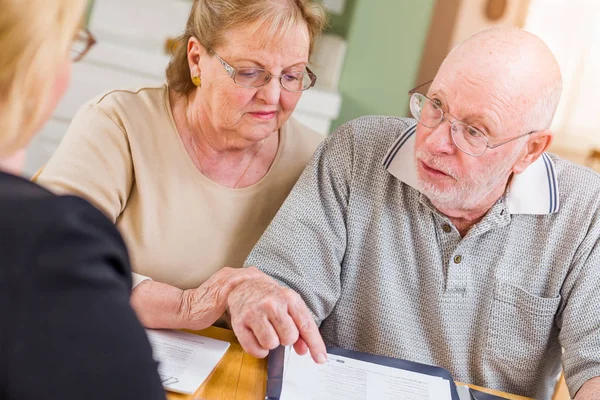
x=119 y=117
x=122 y=104
x=15 y=189
x=28 y=207
x=380 y=131
x=574 y=174
x=81 y=242
x=577 y=184
x=44 y=233
x=365 y=141
x=137 y=96
x=578 y=200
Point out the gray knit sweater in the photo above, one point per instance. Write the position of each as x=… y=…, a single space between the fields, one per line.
x=384 y=272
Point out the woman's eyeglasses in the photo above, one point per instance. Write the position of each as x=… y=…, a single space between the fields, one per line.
x=82 y=43
x=292 y=81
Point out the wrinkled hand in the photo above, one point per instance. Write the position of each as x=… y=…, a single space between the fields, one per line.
x=162 y=306
x=265 y=315
x=202 y=306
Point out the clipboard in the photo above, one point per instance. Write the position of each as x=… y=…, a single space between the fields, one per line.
x=477 y=395
x=276 y=361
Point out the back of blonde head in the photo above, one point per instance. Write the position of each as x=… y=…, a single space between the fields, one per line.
x=209 y=19
x=35 y=37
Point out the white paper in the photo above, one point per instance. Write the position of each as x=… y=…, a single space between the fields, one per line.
x=185 y=360
x=343 y=378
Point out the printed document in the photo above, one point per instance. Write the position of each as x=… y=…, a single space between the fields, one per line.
x=185 y=360
x=343 y=378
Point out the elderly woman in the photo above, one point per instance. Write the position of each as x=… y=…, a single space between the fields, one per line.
x=68 y=330
x=193 y=172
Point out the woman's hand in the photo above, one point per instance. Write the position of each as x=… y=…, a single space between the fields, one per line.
x=202 y=306
x=162 y=306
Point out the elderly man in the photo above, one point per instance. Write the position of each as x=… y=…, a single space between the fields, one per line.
x=452 y=240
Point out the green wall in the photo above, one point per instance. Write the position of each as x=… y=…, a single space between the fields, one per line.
x=385 y=41
x=340 y=24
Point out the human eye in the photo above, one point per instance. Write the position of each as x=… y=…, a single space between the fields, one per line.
x=249 y=72
x=474 y=132
x=437 y=103
x=293 y=77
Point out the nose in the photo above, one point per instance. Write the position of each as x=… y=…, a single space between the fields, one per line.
x=270 y=92
x=439 y=141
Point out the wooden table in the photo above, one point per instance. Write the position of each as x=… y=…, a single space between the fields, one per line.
x=240 y=376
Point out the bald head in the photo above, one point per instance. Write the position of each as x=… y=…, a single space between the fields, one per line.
x=516 y=66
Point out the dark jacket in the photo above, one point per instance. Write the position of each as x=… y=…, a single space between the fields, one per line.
x=67 y=329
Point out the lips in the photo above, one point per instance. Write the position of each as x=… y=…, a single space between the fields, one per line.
x=433 y=171
x=265 y=115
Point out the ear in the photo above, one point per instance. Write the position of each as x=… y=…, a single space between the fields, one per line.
x=538 y=143
x=195 y=52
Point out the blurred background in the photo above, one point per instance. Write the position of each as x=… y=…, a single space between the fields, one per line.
x=373 y=52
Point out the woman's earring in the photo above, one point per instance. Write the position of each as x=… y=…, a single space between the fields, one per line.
x=196 y=81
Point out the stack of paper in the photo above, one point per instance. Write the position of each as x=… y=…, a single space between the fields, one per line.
x=344 y=378
x=185 y=360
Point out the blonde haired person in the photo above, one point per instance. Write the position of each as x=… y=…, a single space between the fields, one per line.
x=192 y=172
x=68 y=331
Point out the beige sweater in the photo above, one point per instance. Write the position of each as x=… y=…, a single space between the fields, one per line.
x=122 y=152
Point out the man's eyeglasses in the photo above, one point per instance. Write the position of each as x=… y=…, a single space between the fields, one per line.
x=468 y=139
x=82 y=43
x=293 y=81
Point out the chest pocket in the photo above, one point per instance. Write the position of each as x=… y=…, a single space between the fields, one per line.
x=521 y=327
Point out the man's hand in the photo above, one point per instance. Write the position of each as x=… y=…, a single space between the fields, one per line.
x=265 y=315
x=590 y=390
x=162 y=306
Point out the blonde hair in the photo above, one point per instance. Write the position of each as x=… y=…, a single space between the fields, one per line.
x=35 y=36
x=209 y=19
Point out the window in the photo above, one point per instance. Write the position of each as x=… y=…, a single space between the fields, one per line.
x=571 y=30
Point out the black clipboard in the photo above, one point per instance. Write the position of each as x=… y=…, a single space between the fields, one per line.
x=477 y=395
x=276 y=362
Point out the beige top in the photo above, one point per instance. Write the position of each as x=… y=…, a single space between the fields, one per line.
x=122 y=152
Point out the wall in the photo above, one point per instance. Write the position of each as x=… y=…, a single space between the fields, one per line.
x=385 y=41
x=439 y=38
x=471 y=17
x=340 y=24
x=88 y=12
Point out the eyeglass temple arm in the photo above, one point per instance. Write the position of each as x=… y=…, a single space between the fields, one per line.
x=509 y=140
x=228 y=68
x=418 y=87
x=313 y=77
x=90 y=41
